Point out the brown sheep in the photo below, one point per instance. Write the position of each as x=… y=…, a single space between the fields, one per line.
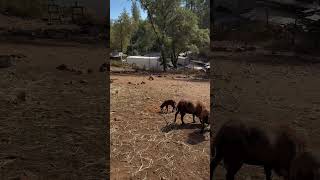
x=254 y=143
x=305 y=166
x=204 y=118
x=166 y=104
x=187 y=107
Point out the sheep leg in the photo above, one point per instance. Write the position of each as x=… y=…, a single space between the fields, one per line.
x=194 y=121
x=202 y=129
x=182 y=115
x=268 y=172
x=213 y=165
x=232 y=169
x=167 y=108
x=175 y=117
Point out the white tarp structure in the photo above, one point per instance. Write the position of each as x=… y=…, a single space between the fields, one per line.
x=152 y=63
x=145 y=62
x=183 y=61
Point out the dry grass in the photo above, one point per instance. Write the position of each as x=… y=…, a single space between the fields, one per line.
x=144 y=142
x=58 y=131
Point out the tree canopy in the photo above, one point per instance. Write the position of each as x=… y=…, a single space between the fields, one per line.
x=171 y=27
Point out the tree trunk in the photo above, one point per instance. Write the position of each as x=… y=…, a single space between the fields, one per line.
x=121 y=38
x=164 y=61
x=174 y=56
x=163 y=56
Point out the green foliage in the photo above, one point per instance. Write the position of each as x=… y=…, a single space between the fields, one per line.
x=120 y=32
x=143 y=40
x=116 y=63
x=135 y=12
x=172 y=27
x=201 y=9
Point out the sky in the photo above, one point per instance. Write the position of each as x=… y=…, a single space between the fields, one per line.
x=117 y=6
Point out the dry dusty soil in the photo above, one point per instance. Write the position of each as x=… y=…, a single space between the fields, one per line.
x=58 y=131
x=270 y=88
x=145 y=144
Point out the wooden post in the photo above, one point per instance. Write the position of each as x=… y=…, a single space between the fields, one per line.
x=77 y=12
x=54 y=12
x=267 y=16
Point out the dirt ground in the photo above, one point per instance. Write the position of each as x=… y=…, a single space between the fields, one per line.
x=145 y=144
x=58 y=131
x=265 y=87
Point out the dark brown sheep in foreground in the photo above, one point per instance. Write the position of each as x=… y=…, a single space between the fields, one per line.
x=255 y=143
x=168 y=103
x=306 y=166
x=187 y=107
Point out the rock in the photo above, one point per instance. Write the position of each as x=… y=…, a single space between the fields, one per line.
x=70 y=82
x=240 y=49
x=72 y=70
x=103 y=67
x=6 y=61
x=83 y=81
x=151 y=78
x=62 y=67
x=79 y=72
x=251 y=48
x=21 y=96
x=143 y=82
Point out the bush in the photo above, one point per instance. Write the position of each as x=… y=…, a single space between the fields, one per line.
x=116 y=63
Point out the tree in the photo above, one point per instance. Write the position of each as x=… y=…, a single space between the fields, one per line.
x=201 y=9
x=121 y=31
x=178 y=26
x=143 y=40
x=185 y=35
x=160 y=14
x=135 y=11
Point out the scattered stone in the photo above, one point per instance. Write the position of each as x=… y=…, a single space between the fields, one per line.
x=143 y=82
x=103 y=67
x=79 y=72
x=6 y=61
x=240 y=49
x=83 y=81
x=159 y=76
x=73 y=70
x=21 y=96
x=62 y=67
x=70 y=82
x=257 y=82
x=151 y=78
x=251 y=48
x=129 y=83
x=90 y=71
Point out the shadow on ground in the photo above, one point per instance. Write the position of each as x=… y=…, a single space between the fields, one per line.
x=174 y=126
